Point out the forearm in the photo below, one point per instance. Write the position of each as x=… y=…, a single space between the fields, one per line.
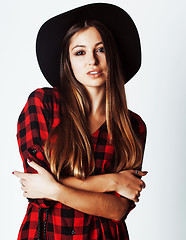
x=98 y=183
x=98 y=204
x=43 y=186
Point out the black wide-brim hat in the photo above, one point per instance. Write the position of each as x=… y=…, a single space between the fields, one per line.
x=122 y=27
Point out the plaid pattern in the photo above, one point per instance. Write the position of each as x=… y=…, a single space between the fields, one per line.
x=41 y=114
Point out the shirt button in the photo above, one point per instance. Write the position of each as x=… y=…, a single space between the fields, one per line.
x=34 y=151
x=73 y=232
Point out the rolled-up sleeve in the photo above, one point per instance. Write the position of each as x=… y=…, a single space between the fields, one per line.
x=140 y=129
x=32 y=131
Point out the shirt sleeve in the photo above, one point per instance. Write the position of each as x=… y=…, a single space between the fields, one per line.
x=32 y=130
x=139 y=128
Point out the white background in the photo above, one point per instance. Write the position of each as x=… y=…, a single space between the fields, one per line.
x=157 y=93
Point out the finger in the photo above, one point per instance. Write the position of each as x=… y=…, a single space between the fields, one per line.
x=143 y=185
x=20 y=174
x=138 y=195
x=135 y=172
x=143 y=173
x=139 y=173
x=34 y=165
x=22 y=181
x=136 y=199
x=25 y=194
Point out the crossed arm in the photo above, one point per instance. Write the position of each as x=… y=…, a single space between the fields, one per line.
x=90 y=196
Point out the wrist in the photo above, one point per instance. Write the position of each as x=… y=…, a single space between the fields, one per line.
x=112 y=182
x=55 y=193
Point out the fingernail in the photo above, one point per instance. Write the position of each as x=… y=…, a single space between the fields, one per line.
x=28 y=160
x=145 y=172
x=12 y=172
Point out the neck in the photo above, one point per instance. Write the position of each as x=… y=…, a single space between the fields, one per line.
x=97 y=100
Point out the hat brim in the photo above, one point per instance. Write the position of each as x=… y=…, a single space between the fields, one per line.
x=121 y=25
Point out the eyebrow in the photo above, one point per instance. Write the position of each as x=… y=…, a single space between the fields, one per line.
x=85 y=45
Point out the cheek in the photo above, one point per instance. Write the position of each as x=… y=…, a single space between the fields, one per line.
x=103 y=61
x=76 y=67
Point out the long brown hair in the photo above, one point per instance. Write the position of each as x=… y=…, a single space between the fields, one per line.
x=71 y=154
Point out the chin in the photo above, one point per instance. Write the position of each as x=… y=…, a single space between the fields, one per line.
x=96 y=85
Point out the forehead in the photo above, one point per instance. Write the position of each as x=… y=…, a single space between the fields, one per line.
x=89 y=36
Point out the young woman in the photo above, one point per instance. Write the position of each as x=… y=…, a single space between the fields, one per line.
x=81 y=147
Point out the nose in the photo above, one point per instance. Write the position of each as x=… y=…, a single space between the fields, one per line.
x=92 y=59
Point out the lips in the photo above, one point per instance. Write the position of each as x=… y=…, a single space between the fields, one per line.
x=94 y=73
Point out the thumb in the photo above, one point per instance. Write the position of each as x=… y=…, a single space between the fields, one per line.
x=142 y=173
x=34 y=165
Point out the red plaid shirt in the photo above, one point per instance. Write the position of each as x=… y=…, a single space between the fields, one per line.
x=53 y=220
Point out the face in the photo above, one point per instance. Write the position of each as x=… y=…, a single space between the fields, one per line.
x=87 y=57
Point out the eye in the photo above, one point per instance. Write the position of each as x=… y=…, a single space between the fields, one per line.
x=79 y=53
x=101 y=49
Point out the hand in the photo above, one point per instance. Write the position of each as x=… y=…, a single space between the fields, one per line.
x=37 y=185
x=129 y=185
